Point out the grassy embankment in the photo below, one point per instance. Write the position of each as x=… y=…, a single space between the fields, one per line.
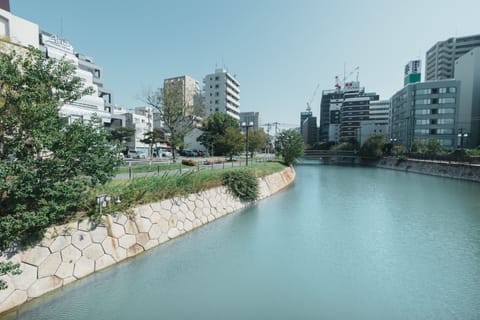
x=150 y=189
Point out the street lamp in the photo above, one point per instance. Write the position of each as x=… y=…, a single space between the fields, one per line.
x=246 y=126
x=462 y=135
x=104 y=199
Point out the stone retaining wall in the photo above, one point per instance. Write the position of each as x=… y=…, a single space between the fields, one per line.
x=440 y=169
x=75 y=250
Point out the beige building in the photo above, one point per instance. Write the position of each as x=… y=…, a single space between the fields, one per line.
x=188 y=88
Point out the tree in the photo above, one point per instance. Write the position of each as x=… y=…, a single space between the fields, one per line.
x=373 y=147
x=153 y=137
x=122 y=134
x=178 y=117
x=290 y=146
x=46 y=164
x=231 y=142
x=257 y=140
x=214 y=127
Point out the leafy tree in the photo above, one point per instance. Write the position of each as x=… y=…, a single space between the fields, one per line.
x=231 y=142
x=257 y=140
x=46 y=164
x=433 y=147
x=214 y=127
x=152 y=138
x=290 y=146
x=122 y=134
x=178 y=117
x=350 y=144
x=373 y=147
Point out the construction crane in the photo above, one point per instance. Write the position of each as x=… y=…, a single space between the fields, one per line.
x=341 y=83
x=309 y=103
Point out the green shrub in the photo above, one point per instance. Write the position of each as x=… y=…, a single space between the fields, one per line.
x=189 y=162
x=242 y=184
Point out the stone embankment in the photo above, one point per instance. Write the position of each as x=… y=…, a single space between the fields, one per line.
x=75 y=250
x=452 y=170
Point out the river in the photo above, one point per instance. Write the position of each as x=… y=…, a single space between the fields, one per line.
x=340 y=243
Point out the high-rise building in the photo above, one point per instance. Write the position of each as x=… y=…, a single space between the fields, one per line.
x=467 y=71
x=423 y=111
x=440 y=59
x=222 y=93
x=412 y=72
x=304 y=115
x=187 y=88
x=16 y=32
x=378 y=120
x=310 y=131
x=329 y=100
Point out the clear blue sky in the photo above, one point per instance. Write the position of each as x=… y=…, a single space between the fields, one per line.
x=279 y=49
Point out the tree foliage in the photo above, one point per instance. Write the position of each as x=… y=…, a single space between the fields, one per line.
x=231 y=143
x=178 y=117
x=46 y=164
x=214 y=128
x=373 y=147
x=290 y=146
x=152 y=138
x=122 y=134
x=257 y=140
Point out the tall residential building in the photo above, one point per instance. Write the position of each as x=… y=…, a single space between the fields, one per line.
x=467 y=71
x=254 y=117
x=412 y=72
x=440 y=59
x=222 y=93
x=16 y=32
x=309 y=131
x=188 y=90
x=425 y=110
x=87 y=106
x=304 y=115
x=378 y=120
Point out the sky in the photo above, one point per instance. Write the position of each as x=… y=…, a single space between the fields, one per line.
x=279 y=50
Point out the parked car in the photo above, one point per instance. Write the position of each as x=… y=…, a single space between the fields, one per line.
x=166 y=153
x=135 y=155
x=189 y=153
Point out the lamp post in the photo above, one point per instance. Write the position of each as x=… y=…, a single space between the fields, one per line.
x=104 y=199
x=462 y=135
x=246 y=126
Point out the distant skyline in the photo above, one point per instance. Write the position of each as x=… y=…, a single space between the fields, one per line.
x=279 y=50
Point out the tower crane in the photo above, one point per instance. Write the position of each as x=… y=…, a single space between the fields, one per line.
x=341 y=83
x=313 y=97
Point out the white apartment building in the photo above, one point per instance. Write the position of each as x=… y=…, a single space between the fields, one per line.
x=141 y=120
x=17 y=32
x=222 y=94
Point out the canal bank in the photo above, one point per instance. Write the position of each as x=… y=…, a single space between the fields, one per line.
x=453 y=170
x=75 y=250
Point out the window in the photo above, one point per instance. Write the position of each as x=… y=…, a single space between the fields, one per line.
x=422 y=101
x=423 y=91
x=446 y=100
x=422 y=121
x=446 y=110
x=442 y=90
x=444 y=131
x=216 y=101
x=445 y=121
x=434 y=111
x=217 y=94
x=217 y=86
x=217 y=78
x=421 y=131
x=422 y=111
x=452 y=90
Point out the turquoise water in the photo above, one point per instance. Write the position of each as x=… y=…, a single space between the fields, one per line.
x=341 y=243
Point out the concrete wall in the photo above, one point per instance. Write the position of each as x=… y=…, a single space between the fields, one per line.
x=446 y=170
x=75 y=250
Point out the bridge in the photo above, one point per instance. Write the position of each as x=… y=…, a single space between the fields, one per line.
x=331 y=156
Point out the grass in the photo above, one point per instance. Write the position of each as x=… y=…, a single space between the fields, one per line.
x=151 y=189
x=150 y=168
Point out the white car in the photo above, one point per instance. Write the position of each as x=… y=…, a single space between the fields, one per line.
x=166 y=153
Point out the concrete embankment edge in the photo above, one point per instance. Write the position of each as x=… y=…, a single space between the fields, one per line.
x=440 y=169
x=73 y=251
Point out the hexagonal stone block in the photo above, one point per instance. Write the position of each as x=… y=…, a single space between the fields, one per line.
x=174 y=209
x=35 y=256
x=197 y=223
x=204 y=219
x=69 y=280
x=131 y=227
x=127 y=241
x=43 y=286
x=93 y=251
x=180 y=216
x=85 y=225
x=83 y=267
x=166 y=204
x=5 y=293
x=70 y=254
x=145 y=211
x=111 y=247
x=188 y=225
x=134 y=250
x=103 y=262
x=173 y=221
x=198 y=212
x=59 y=243
x=98 y=234
x=190 y=216
x=155 y=231
x=156 y=207
x=14 y=299
x=155 y=217
x=173 y=233
x=142 y=239
x=81 y=239
x=65 y=270
x=211 y=218
x=116 y=230
x=150 y=244
x=180 y=225
x=50 y=265
x=190 y=205
x=120 y=219
x=143 y=224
